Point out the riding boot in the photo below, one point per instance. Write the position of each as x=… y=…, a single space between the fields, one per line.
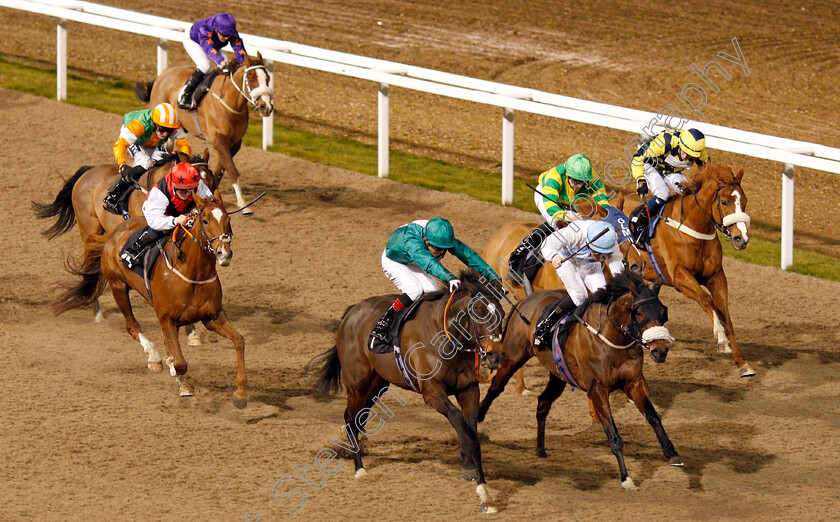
x=543 y=328
x=531 y=242
x=382 y=330
x=132 y=253
x=114 y=193
x=185 y=100
x=641 y=221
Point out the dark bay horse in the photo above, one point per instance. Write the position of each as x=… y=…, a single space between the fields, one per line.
x=626 y=318
x=688 y=251
x=222 y=116
x=184 y=285
x=79 y=202
x=443 y=344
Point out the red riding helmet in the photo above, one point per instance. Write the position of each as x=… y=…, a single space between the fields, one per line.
x=184 y=176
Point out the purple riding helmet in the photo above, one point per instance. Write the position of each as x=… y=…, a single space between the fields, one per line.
x=225 y=24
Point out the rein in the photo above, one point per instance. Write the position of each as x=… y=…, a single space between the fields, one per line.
x=251 y=95
x=207 y=246
x=644 y=340
x=479 y=352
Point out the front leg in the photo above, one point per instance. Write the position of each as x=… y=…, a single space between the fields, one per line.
x=223 y=326
x=719 y=289
x=508 y=368
x=222 y=146
x=175 y=359
x=468 y=400
x=600 y=398
x=638 y=392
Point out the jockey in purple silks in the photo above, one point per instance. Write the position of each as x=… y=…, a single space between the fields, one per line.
x=207 y=37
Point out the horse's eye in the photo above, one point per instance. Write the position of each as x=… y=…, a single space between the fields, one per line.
x=724 y=203
x=205 y=221
x=638 y=315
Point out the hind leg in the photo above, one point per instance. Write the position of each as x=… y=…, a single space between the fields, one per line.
x=120 y=291
x=192 y=335
x=98 y=316
x=357 y=399
x=175 y=359
x=222 y=326
x=552 y=391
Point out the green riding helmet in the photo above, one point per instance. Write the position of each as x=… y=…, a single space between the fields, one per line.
x=579 y=167
x=440 y=234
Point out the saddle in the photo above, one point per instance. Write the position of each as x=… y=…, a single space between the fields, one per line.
x=149 y=255
x=559 y=334
x=396 y=329
x=651 y=226
x=204 y=86
x=534 y=260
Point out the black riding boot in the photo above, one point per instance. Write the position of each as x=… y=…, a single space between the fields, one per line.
x=185 y=100
x=382 y=330
x=640 y=225
x=531 y=242
x=132 y=253
x=113 y=197
x=542 y=329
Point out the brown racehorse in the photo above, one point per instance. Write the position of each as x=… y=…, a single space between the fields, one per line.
x=80 y=202
x=184 y=285
x=222 y=116
x=625 y=317
x=714 y=202
x=472 y=316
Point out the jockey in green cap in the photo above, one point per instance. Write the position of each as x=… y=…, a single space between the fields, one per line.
x=559 y=189
x=411 y=260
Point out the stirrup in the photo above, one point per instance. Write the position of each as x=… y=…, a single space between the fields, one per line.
x=129 y=259
x=185 y=102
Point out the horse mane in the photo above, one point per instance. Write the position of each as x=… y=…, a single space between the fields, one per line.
x=616 y=287
x=709 y=171
x=482 y=285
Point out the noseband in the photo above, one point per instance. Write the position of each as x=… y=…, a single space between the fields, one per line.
x=207 y=245
x=721 y=227
x=635 y=330
x=246 y=91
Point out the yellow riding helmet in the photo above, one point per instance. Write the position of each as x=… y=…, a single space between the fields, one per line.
x=164 y=115
x=692 y=142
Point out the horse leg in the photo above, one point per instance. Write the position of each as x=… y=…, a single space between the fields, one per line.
x=600 y=398
x=357 y=399
x=638 y=392
x=225 y=160
x=687 y=285
x=98 y=316
x=175 y=359
x=521 y=389
x=222 y=326
x=552 y=391
x=120 y=291
x=192 y=335
x=500 y=380
x=468 y=400
x=719 y=289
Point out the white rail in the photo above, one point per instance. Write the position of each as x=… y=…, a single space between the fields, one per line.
x=386 y=74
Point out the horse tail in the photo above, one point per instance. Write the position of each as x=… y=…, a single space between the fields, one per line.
x=143 y=90
x=91 y=286
x=328 y=368
x=61 y=207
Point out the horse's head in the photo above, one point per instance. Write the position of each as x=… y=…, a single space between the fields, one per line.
x=212 y=228
x=484 y=315
x=647 y=316
x=731 y=202
x=257 y=84
x=203 y=167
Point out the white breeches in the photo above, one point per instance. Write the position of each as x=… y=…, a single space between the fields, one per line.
x=146 y=155
x=578 y=276
x=410 y=278
x=661 y=186
x=202 y=62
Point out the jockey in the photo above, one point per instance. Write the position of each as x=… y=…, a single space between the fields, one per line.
x=411 y=260
x=167 y=205
x=207 y=37
x=577 y=252
x=143 y=134
x=561 y=187
x=659 y=163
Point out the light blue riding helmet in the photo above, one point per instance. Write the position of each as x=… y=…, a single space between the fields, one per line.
x=604 y=244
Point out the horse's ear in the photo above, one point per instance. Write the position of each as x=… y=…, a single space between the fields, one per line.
x=199 y=202
x=248 y=61
x=206 y=156
x=739 y=175
x=217 y=197
x=259 y=56
x=181 y=157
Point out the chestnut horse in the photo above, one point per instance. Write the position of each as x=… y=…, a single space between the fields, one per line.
x=447 y=336
x=184 y=285
x=688 y=252
x=604 y=352
x=80 y=202
x=221 y=118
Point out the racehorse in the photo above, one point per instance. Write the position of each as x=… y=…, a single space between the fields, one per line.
x=184 y=286
x=221 y=118
x=688 y=252
x=447 y=337
x=80 y=202
x=604 y=352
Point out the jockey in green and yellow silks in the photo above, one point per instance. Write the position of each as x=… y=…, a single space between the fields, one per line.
x=560 y=188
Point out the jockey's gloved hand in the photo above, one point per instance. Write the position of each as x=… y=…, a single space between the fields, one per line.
x=642 y=188
x=122 y=169
x=224 y=67
x=454 y=284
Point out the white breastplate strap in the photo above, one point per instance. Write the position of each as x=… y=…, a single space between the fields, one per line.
x=736 y=217
x=690 y=231
x=656 y=333
x=607 y=341
x=179 y=274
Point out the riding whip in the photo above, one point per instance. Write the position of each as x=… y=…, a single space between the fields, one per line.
x=264 y=192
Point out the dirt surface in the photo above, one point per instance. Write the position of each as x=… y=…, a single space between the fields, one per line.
x=89 y=433
x=609 y=51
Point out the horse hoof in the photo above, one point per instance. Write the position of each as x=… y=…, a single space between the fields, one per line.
x=361 y=473
x=469 y=474
x=724 y=348
x=488 y=509
x=628 y=485
x=746 y=371
x=541 y=453
x=195 y=342
x=239 y=403
x=98 y=318
x=525 y=392
x=247 y=212
x=156 y=367
x=676 y=460
x=185 y=390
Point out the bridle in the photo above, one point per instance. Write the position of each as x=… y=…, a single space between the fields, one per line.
x=722 y=226
x=251 y=95
x=481 y=354
x=635 y=330
x=207 y=245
